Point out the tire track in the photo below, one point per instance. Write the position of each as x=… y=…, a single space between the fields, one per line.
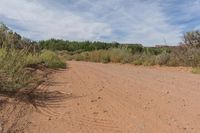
x=114 y=98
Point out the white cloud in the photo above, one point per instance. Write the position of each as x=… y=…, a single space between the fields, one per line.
x=123 y=21
x=43 y=23
x=141 y=21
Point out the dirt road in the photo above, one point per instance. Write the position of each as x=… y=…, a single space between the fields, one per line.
x=114 y=98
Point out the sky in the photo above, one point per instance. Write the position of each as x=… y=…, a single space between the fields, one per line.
x=149 y=22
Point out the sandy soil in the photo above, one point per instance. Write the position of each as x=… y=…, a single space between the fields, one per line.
x=114 y=98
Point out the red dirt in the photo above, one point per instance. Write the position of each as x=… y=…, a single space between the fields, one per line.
x=114 y=98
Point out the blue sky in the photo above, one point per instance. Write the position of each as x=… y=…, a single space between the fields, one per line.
x=149 y=22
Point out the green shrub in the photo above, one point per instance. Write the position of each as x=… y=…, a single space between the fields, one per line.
x=13 y=63
x=52 y=60
x=162 y=59
x=116 y=55
x=99 y=56
x=192 y=57
x=120 y=55
x=173 y=60
x=184 y=57
x=12 y=67
x=94 y=56
x=80 y=56
x=105 y=57
x=144 y=59
x=150 y=61
x=138 y=62
x=31 y=58
x=196 y=70
x=112 y=55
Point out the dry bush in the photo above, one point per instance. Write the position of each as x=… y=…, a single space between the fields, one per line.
x=105 y=56
x=196 y=70
x=51 y=60
x=183 y=56
x=144 y=59
x=192 y=39
x=162 y=59
x=13 y=64
x=120 y=55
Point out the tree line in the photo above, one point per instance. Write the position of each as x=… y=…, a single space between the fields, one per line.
x=11 y=39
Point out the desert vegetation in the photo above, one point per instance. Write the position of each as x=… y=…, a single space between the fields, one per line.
x=19 y=58
x=17 y=54
x=187 y=53
x=182 y=55
x=24 y=64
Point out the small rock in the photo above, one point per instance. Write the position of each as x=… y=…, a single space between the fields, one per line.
x=105 y=111
x=100 y=90
x=99 y=97
x=93 y=101
x=95 y=113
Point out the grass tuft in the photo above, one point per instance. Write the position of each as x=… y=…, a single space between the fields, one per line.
x=52 y=60
x=14 y=74
x=196 y=70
